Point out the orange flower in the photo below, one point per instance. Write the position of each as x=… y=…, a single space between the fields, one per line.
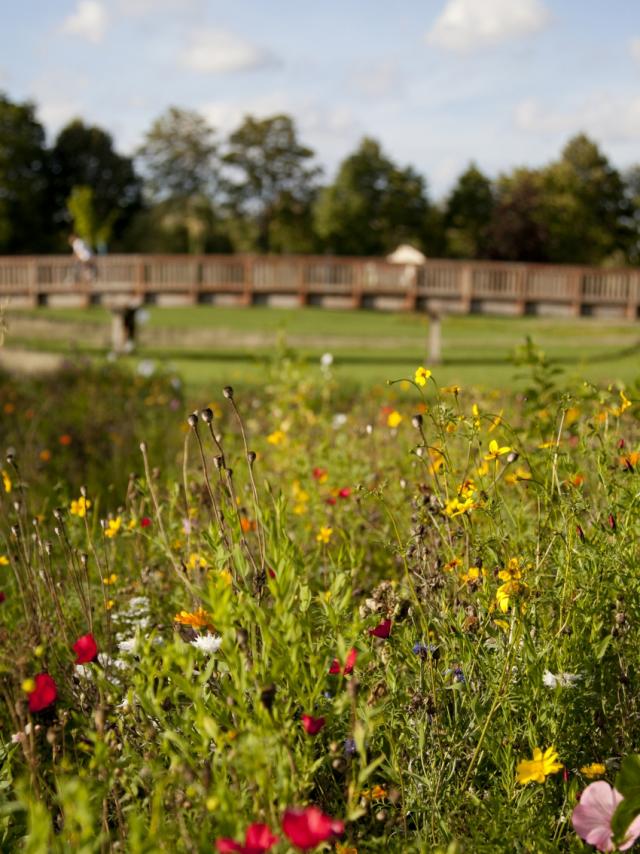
x=247 y=525
x=45 y=455
x=197 y=619
x=65 y=439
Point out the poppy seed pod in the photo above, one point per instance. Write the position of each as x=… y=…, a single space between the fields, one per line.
x=416 y=420
x=192 y=420
x=207 y=415
x=228 y=392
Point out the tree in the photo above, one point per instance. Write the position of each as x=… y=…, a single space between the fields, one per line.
x=180 y=166
x=372 y=206
x=86 y=224
x=25 y=206
x=179 y=157
x=468 y=213
x=271 y=185
x=586 y=210
x=516 y=230
x=84 y=156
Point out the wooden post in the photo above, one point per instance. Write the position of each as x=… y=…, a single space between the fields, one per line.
x=123 y=329
x=466 y=287
x=434 y=344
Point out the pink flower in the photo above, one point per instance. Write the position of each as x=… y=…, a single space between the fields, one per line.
x=592 y=817
x=345 y=492
x=383 y=630
x=308 y=827
x=349 y=663
x=312 y=726
x=257 y=840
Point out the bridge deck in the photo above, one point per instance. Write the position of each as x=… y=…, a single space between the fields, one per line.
x=436 y=286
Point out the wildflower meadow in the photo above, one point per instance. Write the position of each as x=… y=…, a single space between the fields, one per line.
x=292 y=619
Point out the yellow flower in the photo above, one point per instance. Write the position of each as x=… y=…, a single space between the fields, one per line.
x=476 y=415
x=549 y=444
x=113 y=526
x=506 y=592
x=6 y=481
x=455 y=507
x=518 y=475
x=110 y=604
x=196 y=619
x=277 y=437
x=483 y=469
x=196 y=562
x=28 y=686
x=512 y=571
x=111 y=579
x=421 y=376
x=324 y=535
x=625 y=403
x=4 y=560
x=394 y=418
x=473 y=574
x=495 y=451
x=345 y=849
x=80 y=507
x=536 y=770
x=496 y=420
x=596 y=769
x=451 y=389
x=225 y=576
x=453 y=563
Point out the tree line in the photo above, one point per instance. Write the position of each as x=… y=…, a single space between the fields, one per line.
x=262 y=190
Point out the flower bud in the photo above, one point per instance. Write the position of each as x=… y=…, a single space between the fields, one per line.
x=251 y=457
x=228 y=392
x=207 y=415
x=192 y=420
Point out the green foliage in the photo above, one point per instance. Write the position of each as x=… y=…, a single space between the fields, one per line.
x=290 y=558
x=372 y=206
x=25 y=204
x=82 y=210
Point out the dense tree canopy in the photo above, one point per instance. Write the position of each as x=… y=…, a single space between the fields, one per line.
x=189 y=189
x=25 y=181
x=372 y=206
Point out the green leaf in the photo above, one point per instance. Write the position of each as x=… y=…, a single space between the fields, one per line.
x=627 y=810
x=628 y=777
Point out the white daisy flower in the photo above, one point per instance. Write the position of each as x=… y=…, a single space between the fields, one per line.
x=207 y=643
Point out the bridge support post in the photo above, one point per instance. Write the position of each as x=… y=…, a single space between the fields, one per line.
x=123 y=330
x=434 y=341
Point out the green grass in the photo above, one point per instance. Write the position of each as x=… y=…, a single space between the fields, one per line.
x=367 y=346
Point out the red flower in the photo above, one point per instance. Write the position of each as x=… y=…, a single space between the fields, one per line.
x=331 y=500
x=86 y=649
x=381 y=631
x=312 y=726
x=320 y=474
x=309 y=827
x=612 y=521
x=44 y=694
x=145 y=521
x=345 y=492
x=258 y=839
x=349 y=663
x=3 y=596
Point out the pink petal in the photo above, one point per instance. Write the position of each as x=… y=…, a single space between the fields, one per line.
x=633 y=832
x=591 y=818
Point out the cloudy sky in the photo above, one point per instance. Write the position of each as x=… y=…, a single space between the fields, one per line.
x=438 y=82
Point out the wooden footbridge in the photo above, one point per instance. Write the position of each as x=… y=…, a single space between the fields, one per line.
x=122 y=282
x=335 y=282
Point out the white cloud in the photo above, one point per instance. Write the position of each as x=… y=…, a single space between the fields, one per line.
x=465 y=25
x=608 y=117
x=89 y=21
x=216 y=51
x=376 y=80
x=634 y=48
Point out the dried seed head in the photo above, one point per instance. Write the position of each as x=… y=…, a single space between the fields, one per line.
x=228 y=392
x=416 y=420
x=11 y=458
x=207 y=415
x=58 y=513
x=48 y=547
x=192 y=420
x=15 y=530
x=143 y=447
x=512 y=456
x=229 y=473
x=218 y=462
x=251 y=457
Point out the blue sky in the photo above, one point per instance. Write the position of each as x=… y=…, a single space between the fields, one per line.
x=438 y=82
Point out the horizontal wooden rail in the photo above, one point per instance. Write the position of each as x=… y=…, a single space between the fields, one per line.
x=336 y=282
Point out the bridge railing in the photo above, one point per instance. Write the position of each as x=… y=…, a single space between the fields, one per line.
x=438 y=284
